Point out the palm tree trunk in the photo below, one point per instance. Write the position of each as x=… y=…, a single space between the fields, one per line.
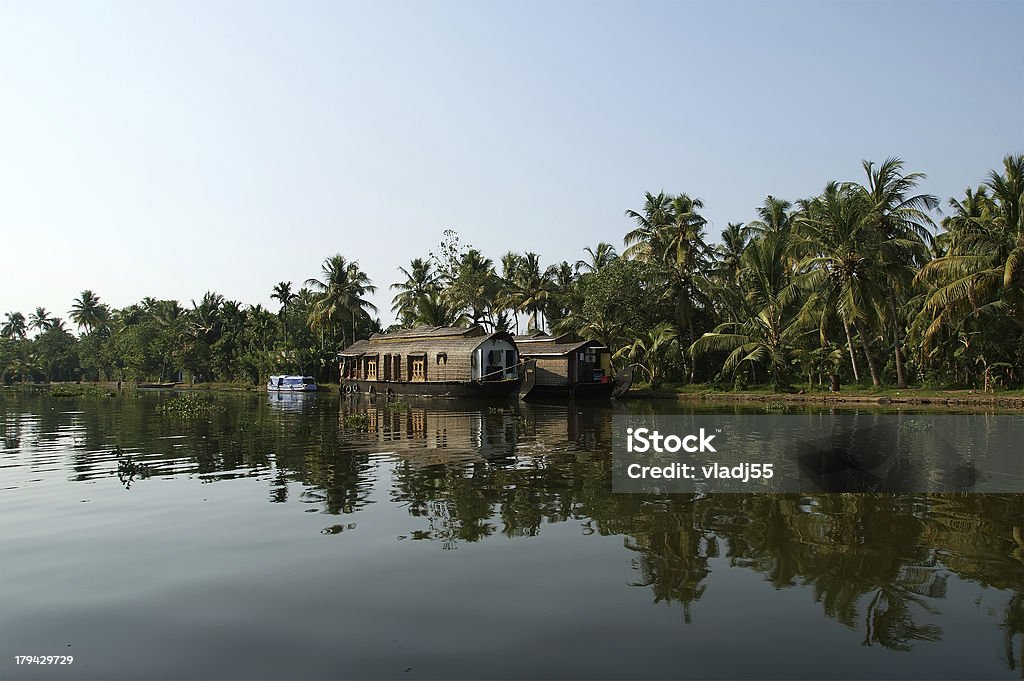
x=853 y=357
x=867 y=353
x=690 y=361
x=901 y=376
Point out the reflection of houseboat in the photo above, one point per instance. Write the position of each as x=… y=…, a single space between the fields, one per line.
x=448 y=361
x=565 y=366
x=429 y=432
x=292 y=384
x=291 y=401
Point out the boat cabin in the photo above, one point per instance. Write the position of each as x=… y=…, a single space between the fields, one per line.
x=430 y=360
x=563 y=364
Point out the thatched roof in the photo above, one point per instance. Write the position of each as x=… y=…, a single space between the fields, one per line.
x=422 y=340
x=433 y=332
x=552 y=349
x=535 y=336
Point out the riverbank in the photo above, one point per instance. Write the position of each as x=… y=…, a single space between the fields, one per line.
x=688 y=393
x=856 y=395
x=113 y=387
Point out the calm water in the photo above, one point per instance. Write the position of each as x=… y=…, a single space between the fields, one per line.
x=276 y=539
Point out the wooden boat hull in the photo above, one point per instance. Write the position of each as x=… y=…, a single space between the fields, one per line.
x=580 y=391
x=485 y=389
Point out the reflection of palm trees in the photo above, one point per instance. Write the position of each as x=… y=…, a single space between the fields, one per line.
x=673 y=559
x=875 y=562
x=1013 y=624
x=888 y=620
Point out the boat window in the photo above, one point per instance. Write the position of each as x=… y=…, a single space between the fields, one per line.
x=442 y=357
x=418 y=368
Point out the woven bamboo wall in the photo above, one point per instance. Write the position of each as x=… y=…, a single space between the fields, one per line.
x=553 y=371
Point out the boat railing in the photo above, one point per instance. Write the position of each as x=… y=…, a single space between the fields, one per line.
x=505 y=370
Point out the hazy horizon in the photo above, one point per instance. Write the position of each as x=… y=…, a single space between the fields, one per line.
x=169 y=149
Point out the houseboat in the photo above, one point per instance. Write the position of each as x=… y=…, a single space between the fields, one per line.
x=432 y=360
x=564 y=366
x=291 y=384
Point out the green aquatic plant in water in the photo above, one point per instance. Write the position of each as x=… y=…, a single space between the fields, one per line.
x=357 y=422
x=81 y=391
x=128 y=470
x=191 y=406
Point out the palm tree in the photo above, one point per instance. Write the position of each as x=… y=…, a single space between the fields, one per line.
x=420 y=279
x=898 y=214
x=40 y=319
x=648 y=350
x=531 y=288
x=283 y=294
x=15 y=326
x=842 y=265
x=775 y=215
x=600 y=257
x=647 y=240
x=341 y=293
x=767 y=334
x=261 y=322
x=982 y=275
x=475 y=288
x=435 y=309
x=727 y=254
x=562 y=280
x=669 y=232
x=88 y=312
x=508 y=298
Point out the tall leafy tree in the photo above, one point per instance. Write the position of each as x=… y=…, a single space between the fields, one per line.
x=14 y=325
x=342 y=294
x=768 y=332
x=901 y=217
x=599 y=257
x=420 y=280
x=40 y=320
x=283 y=294
x=88 y=312
x=841 y=258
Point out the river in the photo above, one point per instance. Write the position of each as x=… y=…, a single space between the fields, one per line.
x=328 y=537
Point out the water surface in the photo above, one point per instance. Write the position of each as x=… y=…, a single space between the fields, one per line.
x=281 y=537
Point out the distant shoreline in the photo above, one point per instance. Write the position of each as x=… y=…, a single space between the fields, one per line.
x=935 y=398
x=924 y=397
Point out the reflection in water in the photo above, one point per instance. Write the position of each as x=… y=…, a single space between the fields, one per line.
x=465 y=473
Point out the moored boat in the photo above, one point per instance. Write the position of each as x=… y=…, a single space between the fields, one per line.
x=566 y=367
x=292 y=384
x=437 y=361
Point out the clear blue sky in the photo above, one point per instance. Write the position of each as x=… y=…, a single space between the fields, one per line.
x=165 y=149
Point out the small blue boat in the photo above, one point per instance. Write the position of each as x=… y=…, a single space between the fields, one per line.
x=292 y=384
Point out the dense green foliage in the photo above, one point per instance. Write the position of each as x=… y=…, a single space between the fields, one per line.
x=858 y=282
x=214 y=340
